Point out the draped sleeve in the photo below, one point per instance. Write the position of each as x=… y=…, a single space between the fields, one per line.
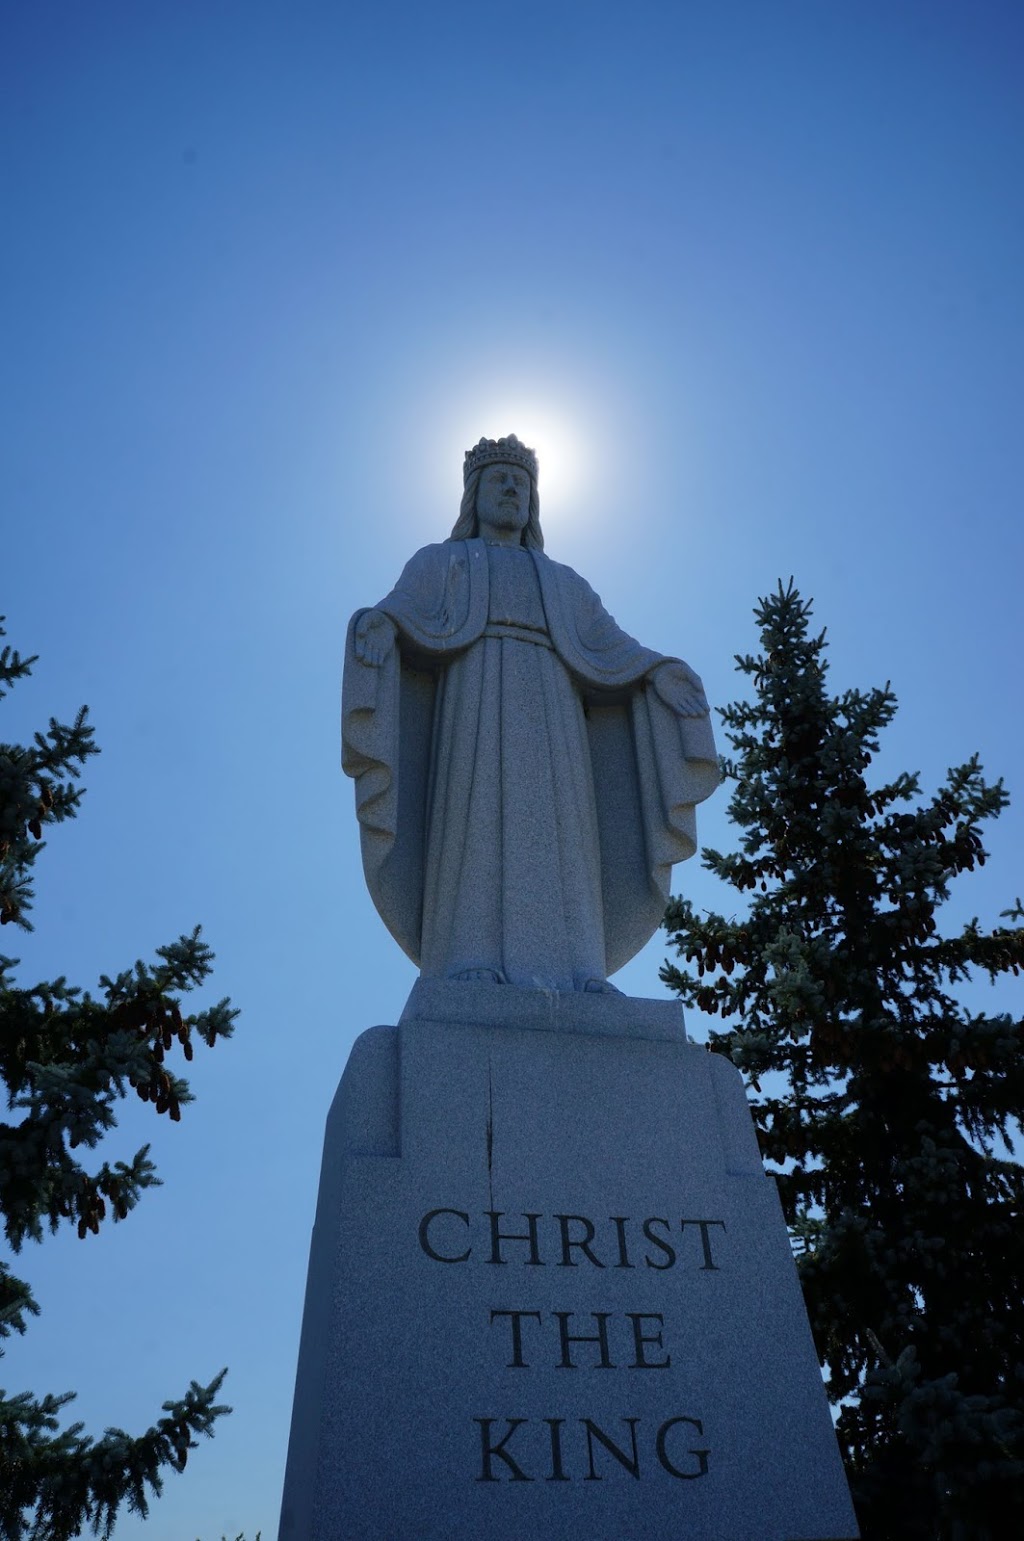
x=438 y=607
x=652 y=762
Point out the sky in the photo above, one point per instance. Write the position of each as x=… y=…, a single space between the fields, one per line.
x=748 y=275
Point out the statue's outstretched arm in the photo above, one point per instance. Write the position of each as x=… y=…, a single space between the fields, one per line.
x=373 y=638
x=611 y=651
x=680 y=688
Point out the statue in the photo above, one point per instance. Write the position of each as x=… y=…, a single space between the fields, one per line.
x=526 y=773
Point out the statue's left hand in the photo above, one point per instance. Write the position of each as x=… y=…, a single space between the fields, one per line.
x=680 y=688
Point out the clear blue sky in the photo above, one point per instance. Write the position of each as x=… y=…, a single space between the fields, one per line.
x=749 y=275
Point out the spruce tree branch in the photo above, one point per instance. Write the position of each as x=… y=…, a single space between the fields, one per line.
x=53 y=1484
x=66 y=1059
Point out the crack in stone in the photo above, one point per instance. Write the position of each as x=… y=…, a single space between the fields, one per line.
x=490 y=1132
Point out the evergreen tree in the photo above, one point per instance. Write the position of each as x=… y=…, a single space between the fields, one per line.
x=883 y=1101
x=66 y=1058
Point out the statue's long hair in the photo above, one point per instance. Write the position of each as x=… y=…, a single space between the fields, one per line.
x=466 y=524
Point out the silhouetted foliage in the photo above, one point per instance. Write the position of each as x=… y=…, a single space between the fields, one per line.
x=880 y=1095
x=240 y=1537
x=66 y=1058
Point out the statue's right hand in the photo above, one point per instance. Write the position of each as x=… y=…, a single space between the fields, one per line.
x=374 y=637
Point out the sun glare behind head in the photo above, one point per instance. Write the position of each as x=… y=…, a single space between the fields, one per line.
x=559 y=450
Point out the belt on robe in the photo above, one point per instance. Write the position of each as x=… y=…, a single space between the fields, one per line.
x=518 y=634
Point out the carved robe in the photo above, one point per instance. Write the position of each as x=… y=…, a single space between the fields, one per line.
x=525 y=777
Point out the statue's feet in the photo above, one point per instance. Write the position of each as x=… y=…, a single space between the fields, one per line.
x=480 y=976
x=600 y=987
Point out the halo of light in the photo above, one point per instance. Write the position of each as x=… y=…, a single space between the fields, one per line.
x=560 y=456
x=567 y=422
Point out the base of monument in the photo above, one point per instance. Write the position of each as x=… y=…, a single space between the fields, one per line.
x=551 y=1292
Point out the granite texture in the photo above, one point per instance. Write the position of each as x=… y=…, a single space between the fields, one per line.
x=637 y=1363
x=458 y=1003
x=526 y=772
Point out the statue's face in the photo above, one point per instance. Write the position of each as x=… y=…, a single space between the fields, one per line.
x=503 y=497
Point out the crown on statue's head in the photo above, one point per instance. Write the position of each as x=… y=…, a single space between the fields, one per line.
x=507 y=452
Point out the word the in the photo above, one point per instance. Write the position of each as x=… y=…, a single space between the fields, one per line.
x=642 y=1342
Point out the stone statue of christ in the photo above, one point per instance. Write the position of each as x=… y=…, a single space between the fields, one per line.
x=526 y=773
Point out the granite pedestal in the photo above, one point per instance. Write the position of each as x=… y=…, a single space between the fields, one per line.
x=551 y=1293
